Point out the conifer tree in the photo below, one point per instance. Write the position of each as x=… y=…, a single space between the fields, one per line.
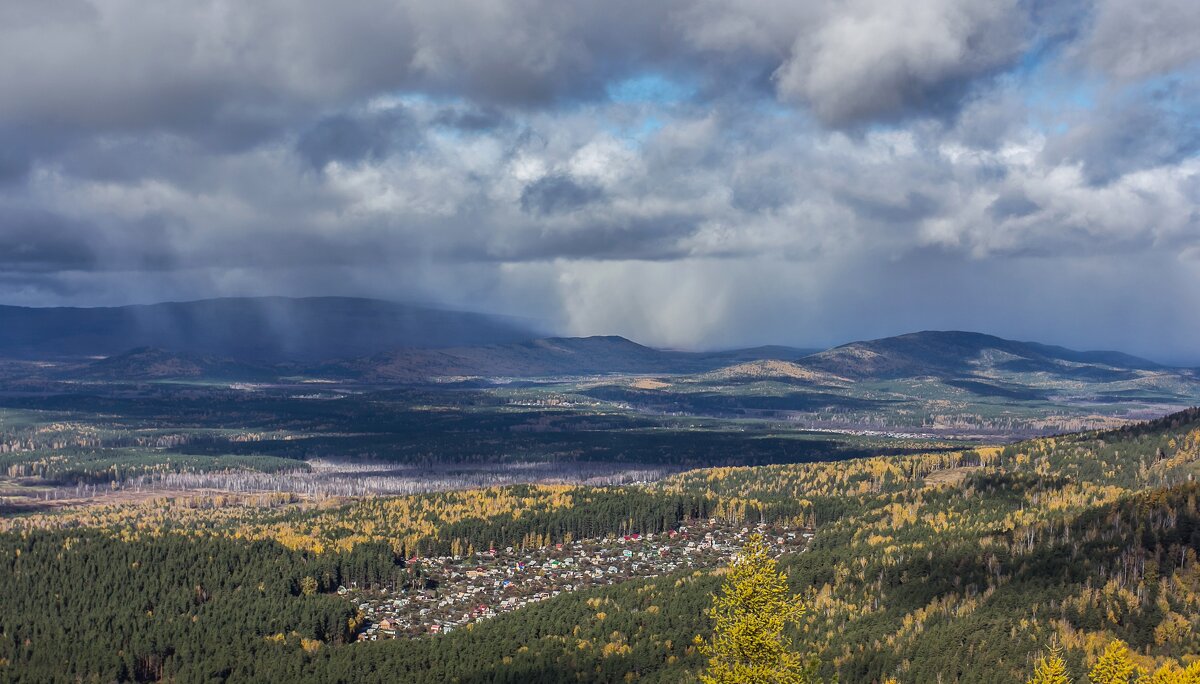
x=1050 y=669
x=1114 y=665
x=1167 y=674
x=749 y=614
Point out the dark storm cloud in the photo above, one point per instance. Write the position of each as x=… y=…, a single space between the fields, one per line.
x=913 y=206
x=244 y=69
x=472 y=118
x=352 y=139
x=660 y=239
x=38 y=241
x=680 y=171
x=188 y=66
x=1134 y=40
x=1134 y=133
x=881 y=59
x=1012 y=205
x=14 y=164
x=557 y=193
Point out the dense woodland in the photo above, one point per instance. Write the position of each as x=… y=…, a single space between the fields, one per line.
x=1082 y=538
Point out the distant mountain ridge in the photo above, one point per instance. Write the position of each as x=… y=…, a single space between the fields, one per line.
x=948 y=383
x=387 y=342
x=264 y=329
x=951 y=356
x=554 y=356
x=545 y=357
x=955 y=353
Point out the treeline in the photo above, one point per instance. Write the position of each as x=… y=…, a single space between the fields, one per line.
x=593 y=513
x=436 y=524
x=118 y=465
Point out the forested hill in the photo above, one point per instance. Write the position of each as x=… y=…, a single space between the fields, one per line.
x=249 y=328
x=557 y=356
x=150 y=363
x=956 y=353
x=545 y=357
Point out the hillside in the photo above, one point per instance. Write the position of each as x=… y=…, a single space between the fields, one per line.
x=772 y=369
x=555 y=356
x=548 y=357
x=248 y=328
x=955 y=354
x=150 y=363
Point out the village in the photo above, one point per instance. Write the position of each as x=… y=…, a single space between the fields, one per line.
x=453 y=591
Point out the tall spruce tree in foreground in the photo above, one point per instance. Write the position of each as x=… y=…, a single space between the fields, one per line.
x=749 y=615
x=1050 y=669
x=1114 y=665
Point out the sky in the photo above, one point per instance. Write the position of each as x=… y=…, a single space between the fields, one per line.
x=687 y=173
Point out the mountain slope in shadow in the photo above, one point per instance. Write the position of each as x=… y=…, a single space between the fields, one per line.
x=268 y=329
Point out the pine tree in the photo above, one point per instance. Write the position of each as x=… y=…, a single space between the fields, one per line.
x=1114 y=665
x=1050 y=669
x=749 y=614
x=1167 y=674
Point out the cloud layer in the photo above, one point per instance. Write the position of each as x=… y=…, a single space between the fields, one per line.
x=689 y=172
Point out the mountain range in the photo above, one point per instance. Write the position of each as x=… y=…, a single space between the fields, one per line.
x=946 y=355
x=384 y=342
